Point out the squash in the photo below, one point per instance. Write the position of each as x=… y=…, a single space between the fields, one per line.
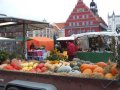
x=101 y=64
x=76 y=68
x=74 y=72
x=114 y=70
x=109 y=76
x=66 y=69
x=73 y=63
x=92 y=67
x=84 y=66
x=87 y=71
x=98 y=70
x=97 y=75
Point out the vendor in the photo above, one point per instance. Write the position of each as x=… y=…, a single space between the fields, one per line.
x=32 y=46
x=93 y=47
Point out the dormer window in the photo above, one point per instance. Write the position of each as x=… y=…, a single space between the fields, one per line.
x=80 y=10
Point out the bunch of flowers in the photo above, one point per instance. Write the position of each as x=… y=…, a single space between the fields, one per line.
x=56 y=55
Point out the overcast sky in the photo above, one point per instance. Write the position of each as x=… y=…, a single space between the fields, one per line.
x=53 y=10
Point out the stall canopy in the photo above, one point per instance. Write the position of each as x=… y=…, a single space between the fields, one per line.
x=91 y=34
x=66 y=38
x=40 y=41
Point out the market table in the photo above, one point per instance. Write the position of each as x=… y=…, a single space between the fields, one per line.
x=36 y=54
x=94 y=56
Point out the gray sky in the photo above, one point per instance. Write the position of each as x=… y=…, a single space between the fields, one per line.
x=53 y=10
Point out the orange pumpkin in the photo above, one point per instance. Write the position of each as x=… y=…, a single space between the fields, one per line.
x=98 y=74
x=84 y=66
x=92 y=67
x=98 y=70
x=101 y=64
x=109 y=76
x=87 y=71
x=114 y=70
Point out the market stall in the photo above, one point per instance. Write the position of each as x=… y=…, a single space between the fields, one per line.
x=40 y=42
x=95 y=56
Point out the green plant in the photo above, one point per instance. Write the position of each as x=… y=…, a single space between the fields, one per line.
x=3 y=56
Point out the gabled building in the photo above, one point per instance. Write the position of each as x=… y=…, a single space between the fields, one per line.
x=59 y=29
x=113 y=22
x=84 y=19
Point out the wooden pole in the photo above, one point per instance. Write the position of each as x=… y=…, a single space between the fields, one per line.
x=24 y=41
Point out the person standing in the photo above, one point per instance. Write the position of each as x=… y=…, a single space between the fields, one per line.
x=58 y=47
x=71 y=50
x=32 y=46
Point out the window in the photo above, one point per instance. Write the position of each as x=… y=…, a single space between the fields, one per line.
x=87 y=23
x=77 y=17
x=73 y=23
x=77 y=23
x=91 y=22
x=72 y=32
x=82 y=31
x=86 y=16
x=79 y=31
x=83 y=23
x=80 y=10
x=83 y=16
x=70 y=24
x=93 y=30
x=88 y=30
x=74 y=17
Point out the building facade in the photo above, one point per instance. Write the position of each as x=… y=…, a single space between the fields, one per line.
x=113 y=22
x=84 y=19
x=59 y=29
x=45 y=32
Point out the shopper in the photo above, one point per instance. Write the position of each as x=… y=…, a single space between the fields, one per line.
x=71 y=50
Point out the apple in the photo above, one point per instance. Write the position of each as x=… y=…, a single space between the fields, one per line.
x=38 y=70
x=40 y=65
x=43 y=69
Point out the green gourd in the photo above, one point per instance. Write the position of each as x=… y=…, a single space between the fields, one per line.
x=66 y=69
x=76 y=68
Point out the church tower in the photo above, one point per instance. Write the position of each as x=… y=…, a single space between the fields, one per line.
x=93 y=7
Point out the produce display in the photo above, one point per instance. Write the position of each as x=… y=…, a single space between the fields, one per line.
x=76 y=68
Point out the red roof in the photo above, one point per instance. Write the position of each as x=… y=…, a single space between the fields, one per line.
x=58 y=26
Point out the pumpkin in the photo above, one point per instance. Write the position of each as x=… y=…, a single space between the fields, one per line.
x=87 y=71
x=92 y=67
x=114 y=70
x=109 y=76
x=101 y=64
x=98 y=70
x=97 y=75
x=84 y=66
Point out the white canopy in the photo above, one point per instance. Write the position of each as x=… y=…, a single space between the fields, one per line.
x=90 y=34
x=66 y=38
x=3 y=38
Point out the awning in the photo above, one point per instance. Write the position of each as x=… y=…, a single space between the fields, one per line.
x=66 y=38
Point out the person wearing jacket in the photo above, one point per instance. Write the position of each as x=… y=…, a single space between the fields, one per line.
x=71 y=50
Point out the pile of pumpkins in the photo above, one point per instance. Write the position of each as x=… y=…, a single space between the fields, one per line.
x=80 y=68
